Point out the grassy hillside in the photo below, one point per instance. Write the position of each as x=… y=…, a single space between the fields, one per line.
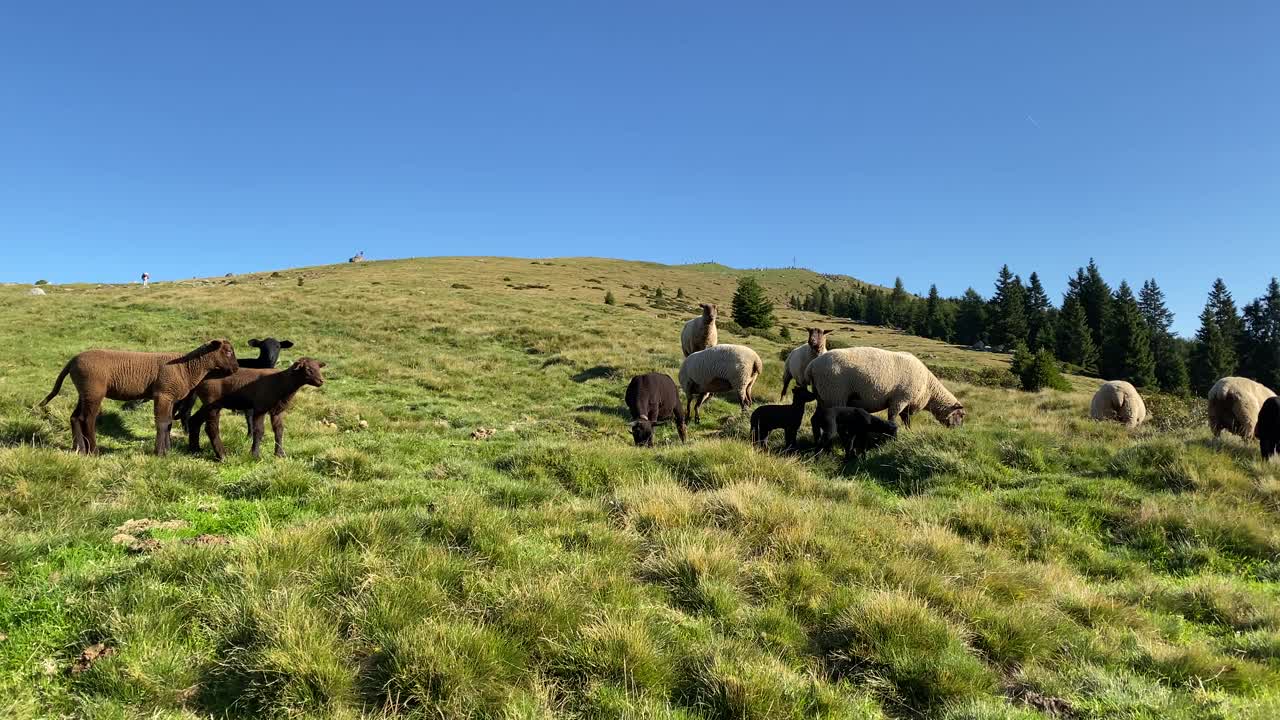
x=401 y=564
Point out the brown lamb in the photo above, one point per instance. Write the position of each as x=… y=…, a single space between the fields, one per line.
x=164 y=378
x=257 y=391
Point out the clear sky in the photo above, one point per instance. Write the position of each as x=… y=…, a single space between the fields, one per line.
x=933 y=141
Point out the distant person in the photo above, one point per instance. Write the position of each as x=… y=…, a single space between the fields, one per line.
x=146 y=278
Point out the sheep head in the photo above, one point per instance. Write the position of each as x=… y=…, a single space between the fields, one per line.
x=952 y=417
x=309 y=369
x=708 y=311
x=800 y=395
x=818 y=339
x=269 y=349
x=642 y=432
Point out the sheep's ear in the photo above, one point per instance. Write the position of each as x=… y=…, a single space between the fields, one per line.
x=322 y=364
x=215 y=344
x=286 y=344
x=255 y=342
x=828 y=332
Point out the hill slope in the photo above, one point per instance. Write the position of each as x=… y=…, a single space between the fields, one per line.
x=1029 y=564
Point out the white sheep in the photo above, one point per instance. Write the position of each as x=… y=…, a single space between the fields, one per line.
x=875 y=380
x=800 y=358
x=1234 y=403
x=1118 y=400
x=700 y=332
x=721 y=368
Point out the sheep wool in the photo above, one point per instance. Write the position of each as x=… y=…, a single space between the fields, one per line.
x=700 y=333
x=1119 y=401
x=1234 y=403
x=722 y=368
x=800 y=358
x=874 y=379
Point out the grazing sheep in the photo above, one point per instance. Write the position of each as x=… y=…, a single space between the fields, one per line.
x=875 y=380
x=787 y=417
x=800 y=358
x=653 y=398
x=261 y=392
x=859 y=430
x=164 y=378
x=268 y=356
x=721 y=368
x=1119 y=401
x=1234 y=403
x=700 y=333
x=1268 y=428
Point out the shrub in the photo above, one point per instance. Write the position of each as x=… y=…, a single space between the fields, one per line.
x=680 y=292
x=657 y=294
x=986 y=377
x=42 y=282
x=785 y=333
x=1042 y=372
x=609 y=299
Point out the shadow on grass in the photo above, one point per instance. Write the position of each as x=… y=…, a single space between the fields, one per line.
x=111 y=424
x=614 y=410
x=596 y=373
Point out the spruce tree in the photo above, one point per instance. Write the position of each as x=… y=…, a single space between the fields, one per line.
x=1075 y=339
x=1152 y=305
x=1213 y=355
x=1095 y=298
x=751 y=309
x=1225 y=315
x=1171 y=365
x=898 y=313
x=937 y=323
x=1260 y=353
x=1126 y=354
x=971 y=318
x=1037 y=313
x=1008 y=305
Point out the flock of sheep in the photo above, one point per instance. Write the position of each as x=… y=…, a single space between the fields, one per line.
x=848 y=385
x=851 y=383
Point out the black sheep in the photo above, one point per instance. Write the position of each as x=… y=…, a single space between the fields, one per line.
x=858 y=429
x=787 y=417
x=268 y=355
x=1267 y=429
x=653 y=398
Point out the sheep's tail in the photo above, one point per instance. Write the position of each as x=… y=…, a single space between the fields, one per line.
x=757 y=366
x=57 y=384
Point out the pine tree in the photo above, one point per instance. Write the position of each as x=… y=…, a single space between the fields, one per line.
x=937 y=321
x=1075 y=340
x=1095 y=298
x=1126 y=354
x=751 y=309
x=971 y=318
x=898 y=313
x=1260 y=344
x=1009 y=324
x=1225 y=314
x=1213 y=355
x=1171 y=365
x=1152 y=305
x=609 y=299
x=1037 y=313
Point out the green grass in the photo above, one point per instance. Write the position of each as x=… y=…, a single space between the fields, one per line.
x=1030 y=564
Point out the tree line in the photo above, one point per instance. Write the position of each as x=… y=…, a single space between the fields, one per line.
x=1113 y=333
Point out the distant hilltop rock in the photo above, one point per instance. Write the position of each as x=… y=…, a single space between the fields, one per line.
x=358 y=257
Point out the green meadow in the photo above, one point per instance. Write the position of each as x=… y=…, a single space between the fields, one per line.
x=462 y=528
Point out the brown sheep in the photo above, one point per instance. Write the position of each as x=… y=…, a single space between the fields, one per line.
x=260 y=392
x=164 y=378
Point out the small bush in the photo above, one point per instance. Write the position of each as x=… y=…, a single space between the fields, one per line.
x=42 y=282
x=657 y=294
x=680 y=292
x=785 y=333
x=609 y=299
x=460 y=286
x=1041 y=372
x=986 y=377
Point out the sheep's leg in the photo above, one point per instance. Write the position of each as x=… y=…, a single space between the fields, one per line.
x=77 y=428
x=277 y=428
x=193 y=428
x=697 y=409
x=248 y=422
x=258 y=419
x=214 y=429
x=90 y=420
x=164 y=422
x=898 y=411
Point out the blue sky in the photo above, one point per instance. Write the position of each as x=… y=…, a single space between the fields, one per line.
x=931 y=141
